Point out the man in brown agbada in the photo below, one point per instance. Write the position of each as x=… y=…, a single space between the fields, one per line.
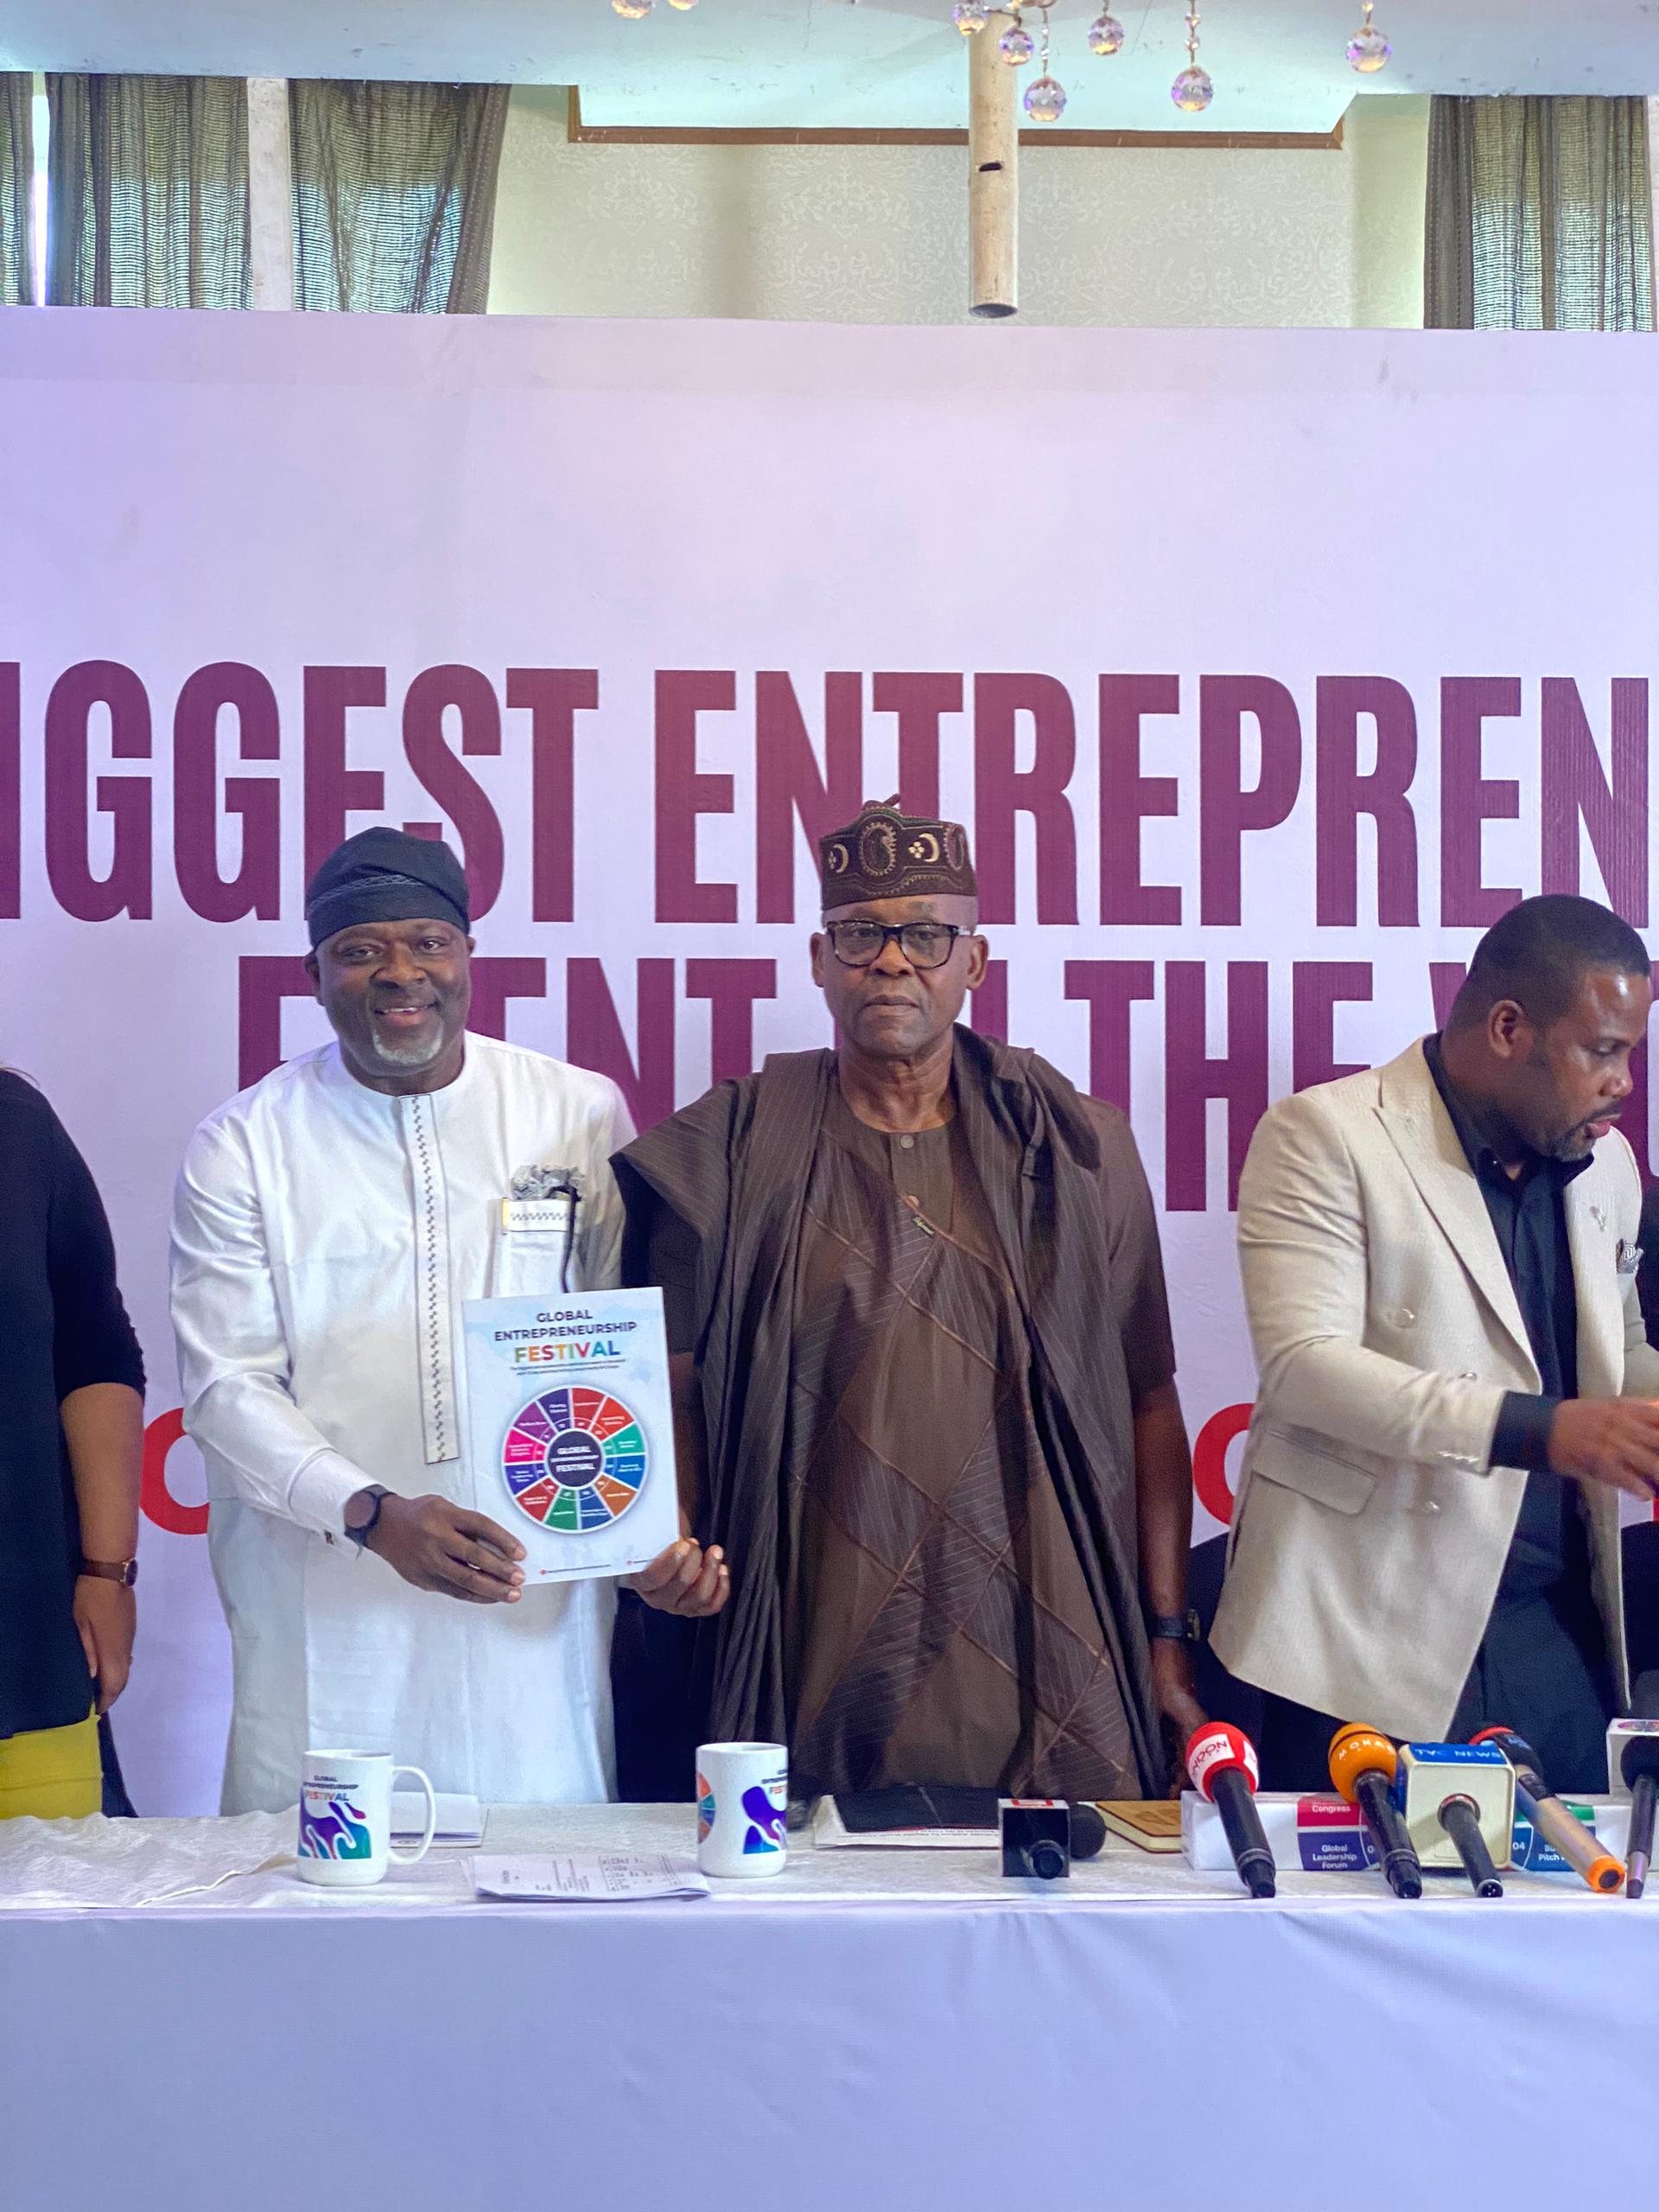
x=924 y=1376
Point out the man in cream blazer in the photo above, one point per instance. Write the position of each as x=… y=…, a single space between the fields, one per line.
x=1439 y=1260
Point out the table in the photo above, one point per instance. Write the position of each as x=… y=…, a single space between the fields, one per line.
x=869 y=2030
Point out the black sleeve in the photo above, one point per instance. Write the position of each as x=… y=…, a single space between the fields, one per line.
x=1647 y=1273
x=93 y=1340
x=1522 y=1436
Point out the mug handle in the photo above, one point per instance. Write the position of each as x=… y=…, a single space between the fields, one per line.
x=409 y=1858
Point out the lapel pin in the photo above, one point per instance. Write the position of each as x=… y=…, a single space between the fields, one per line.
x=1598 y=1215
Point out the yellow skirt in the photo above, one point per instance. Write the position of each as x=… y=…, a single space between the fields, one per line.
x=53 y=1773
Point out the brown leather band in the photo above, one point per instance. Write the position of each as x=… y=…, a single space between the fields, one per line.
x=125 y=1571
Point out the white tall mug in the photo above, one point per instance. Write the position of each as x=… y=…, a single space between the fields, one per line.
x=742 y=1797
x=346 y=1818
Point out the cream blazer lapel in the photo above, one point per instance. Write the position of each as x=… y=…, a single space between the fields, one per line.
x=1411 y=1111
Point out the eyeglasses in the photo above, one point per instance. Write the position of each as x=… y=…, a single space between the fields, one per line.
x=925 y=945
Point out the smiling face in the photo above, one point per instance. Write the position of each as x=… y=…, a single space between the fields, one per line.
x=398 y=993
x=1562 y=1085
x=893 y=1009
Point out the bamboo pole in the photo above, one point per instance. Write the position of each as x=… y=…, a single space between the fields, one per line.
x=270 y=194
x=993 y=176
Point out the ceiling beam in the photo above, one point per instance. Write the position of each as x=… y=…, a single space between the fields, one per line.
x=630 y=134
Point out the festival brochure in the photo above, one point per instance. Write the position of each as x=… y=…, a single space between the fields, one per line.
x=570 y=1428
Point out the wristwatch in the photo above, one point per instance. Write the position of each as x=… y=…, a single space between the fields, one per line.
x=360 y=1535
x=1174 y=1628
x=123 y=1571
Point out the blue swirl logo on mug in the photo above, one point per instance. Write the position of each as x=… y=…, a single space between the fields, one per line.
x=338 y=1829
x=766 y=1818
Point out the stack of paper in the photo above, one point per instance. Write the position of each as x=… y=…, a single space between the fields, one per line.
x=461 y=1818
x=582 y=1878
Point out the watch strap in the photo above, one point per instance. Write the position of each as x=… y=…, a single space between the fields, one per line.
x=123 y=1571
x=1174 y=1628
x=364 y=1530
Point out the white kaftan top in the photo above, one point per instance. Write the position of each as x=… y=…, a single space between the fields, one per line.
x=324 y=1237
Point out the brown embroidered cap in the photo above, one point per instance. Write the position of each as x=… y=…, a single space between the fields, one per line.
x=887 y=855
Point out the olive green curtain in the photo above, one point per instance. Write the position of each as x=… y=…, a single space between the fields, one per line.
x=1539 y=216
x=394 y=195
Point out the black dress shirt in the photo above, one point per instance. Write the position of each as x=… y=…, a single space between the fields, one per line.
x=1530 y=1222
x=62 y=1325
x=1647 y=1273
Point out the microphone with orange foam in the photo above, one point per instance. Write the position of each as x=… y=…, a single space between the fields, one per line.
x=1221 y=1761
x=1580 y=1847
x=1362 y=1764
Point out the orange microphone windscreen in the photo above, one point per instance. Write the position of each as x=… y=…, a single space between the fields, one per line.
x=1358 y=1749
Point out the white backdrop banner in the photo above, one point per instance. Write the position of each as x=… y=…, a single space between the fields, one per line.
x=1266 y=669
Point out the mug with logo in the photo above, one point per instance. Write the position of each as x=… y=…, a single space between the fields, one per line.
x=346 y=1818
x=742 y=1798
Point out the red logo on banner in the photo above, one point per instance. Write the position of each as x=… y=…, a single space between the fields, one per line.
x=1210 y=1460
x=158 y=1502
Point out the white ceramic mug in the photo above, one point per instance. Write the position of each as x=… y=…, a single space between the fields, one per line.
x=346 y=1818
x=742 y=1797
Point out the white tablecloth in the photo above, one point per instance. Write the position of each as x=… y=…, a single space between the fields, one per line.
x=870 y=2030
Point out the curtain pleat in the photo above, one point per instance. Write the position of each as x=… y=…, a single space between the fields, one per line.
x=394 y=194
x=1539 y=216
x=16 y=188
x=147 y=192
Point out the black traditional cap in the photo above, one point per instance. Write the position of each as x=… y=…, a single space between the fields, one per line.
x=386 y=875
x=887 y=855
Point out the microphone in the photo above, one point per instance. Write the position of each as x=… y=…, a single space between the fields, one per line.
x=1459 y=1796
x=1461 y=1818
x=1363 y=1767
x=1578 y=1845
x=1036 y=1837
x=1087 y=1831
x=1639 y=1765
x=1221 y=1761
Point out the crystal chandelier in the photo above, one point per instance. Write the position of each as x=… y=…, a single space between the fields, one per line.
x=1368 y=49
x=1192 y=91
x=1045 y=100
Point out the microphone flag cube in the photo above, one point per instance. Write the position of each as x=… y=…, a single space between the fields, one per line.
x=1619 y=1734
x=1036 y=1837
x=1428 y=1773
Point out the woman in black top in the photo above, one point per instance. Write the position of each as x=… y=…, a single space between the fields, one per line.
x=71 y=1383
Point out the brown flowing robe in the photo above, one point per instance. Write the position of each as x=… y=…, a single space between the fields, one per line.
x=919 y=1359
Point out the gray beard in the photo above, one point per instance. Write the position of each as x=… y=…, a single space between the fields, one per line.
x=407 y=1055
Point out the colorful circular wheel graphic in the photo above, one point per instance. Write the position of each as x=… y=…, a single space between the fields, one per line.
x=575 y=1460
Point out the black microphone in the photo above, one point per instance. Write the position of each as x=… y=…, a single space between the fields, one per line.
x=1362 y=1766
x=1467 y=1792
x=1639 y=1764
x=1087 y=1831
x=1460 y=1817
x=1036 y=1837
x=1221 y=1760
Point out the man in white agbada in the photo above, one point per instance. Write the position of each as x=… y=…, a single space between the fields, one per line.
x=327 y=1225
